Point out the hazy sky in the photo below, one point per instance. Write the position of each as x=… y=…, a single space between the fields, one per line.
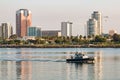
x=50 y=13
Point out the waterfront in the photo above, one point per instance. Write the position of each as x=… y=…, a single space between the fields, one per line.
x=49 y=64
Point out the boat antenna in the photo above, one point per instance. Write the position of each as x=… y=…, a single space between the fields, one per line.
x=81 y=51
x=76 y=50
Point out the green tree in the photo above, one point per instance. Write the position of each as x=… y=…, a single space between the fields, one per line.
x=14 y=36
x=11 y=42
x=17 y=41
x=75 y=40
x=116 y=38
x=100 y=39
x=84 y=37
x=80 y=36
x=58 y=41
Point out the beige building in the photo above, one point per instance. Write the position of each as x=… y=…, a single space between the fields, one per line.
x=112 y=32
x=23 y=20
x=1 y=31
x=6 y=30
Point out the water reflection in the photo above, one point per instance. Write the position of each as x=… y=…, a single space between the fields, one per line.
x=7 y=70
x=24 y=68
x=29 y=66
x=83 y=70
x=77 y=71
x=13 y=69
x=98 y=65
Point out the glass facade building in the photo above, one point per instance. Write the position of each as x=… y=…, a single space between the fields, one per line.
x=34 y=31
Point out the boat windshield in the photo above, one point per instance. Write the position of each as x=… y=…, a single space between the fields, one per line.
x=80 y=55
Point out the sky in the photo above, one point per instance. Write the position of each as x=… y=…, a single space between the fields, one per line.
x=48 y=14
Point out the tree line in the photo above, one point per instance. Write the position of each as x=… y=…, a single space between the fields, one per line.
x=73 y=40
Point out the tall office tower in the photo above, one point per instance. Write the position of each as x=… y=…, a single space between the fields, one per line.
x=34 y=31
x=6 y=30
x=97 y=15
x=23 y=20
x=92 y=27
x=66 y=29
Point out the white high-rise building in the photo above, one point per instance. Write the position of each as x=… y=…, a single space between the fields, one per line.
x=97 y=15
x=66 y=29
x=6 y=30
x=92 y=27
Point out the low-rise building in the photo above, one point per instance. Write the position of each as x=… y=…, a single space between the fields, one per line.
x=112 y=32
x=26 y=38
x=34 y=31
x=51 y=33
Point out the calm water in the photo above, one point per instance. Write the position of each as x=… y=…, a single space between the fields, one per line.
x=49 y=64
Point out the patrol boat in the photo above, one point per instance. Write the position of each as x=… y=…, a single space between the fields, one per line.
x=80 y=58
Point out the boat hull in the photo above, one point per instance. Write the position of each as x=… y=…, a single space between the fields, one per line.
x=86 y=60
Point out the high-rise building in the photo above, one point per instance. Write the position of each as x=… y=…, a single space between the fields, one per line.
x=97 y=15
x=92 y=27
x=66 y=29
x=1 y=31
x=6 y=30
x=34 y=31
x=23 y=20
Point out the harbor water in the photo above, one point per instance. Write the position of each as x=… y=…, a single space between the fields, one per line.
x=50 y=64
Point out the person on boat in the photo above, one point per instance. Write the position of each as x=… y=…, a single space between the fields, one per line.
x=71 y=57
x=84 y=56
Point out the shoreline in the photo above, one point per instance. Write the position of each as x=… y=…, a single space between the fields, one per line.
x=58 y=46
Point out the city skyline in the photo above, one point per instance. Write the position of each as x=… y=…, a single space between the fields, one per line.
x=50 y=14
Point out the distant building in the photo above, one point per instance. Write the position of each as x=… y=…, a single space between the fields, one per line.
x=112 y=32
x=28 y=38
x=66 y=29
x=92 y=27
x=51 y=33
x=6 y=30
x=34 y=31
x=97 y=15
x=23 y=20
x=1 y=31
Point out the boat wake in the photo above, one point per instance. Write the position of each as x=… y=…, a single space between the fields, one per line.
x=32 y=60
